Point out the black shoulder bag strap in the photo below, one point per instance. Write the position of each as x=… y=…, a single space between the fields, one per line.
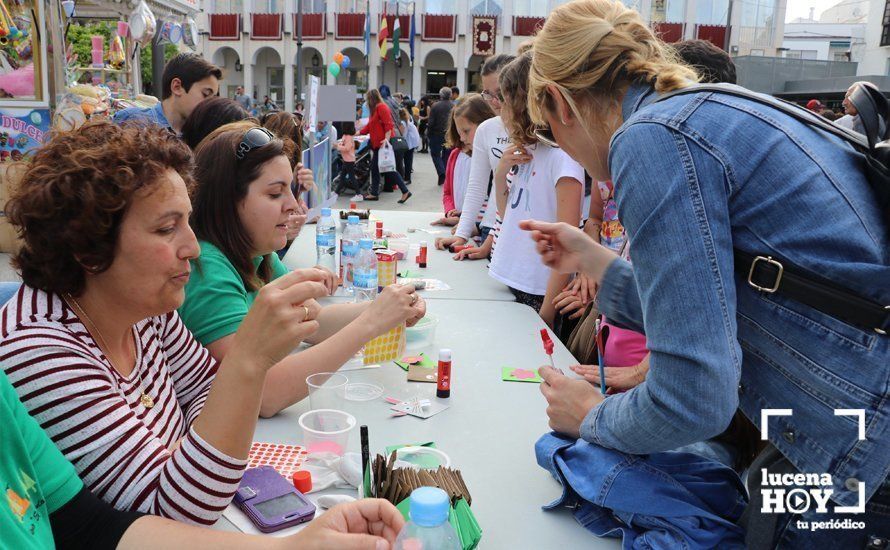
x=770 y=275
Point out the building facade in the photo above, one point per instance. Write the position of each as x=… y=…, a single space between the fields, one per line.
x=876 y=58
x=824 y=41
x=255 y=41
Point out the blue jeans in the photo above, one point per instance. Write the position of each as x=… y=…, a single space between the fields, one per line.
x=436 y=144
x=409 y=164
x=391 y=178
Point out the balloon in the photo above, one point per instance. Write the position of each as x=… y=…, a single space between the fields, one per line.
x=334 y=69
x=338 y=58
x=346 y=61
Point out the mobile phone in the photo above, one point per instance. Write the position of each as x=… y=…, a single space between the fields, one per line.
x=270 y=501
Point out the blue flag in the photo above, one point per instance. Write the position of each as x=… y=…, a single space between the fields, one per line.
x=368 y=30
x=411 y=35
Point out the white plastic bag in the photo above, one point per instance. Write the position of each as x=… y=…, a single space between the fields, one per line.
x=386 y=158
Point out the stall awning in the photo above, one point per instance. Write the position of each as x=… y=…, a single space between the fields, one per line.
x=106 y=8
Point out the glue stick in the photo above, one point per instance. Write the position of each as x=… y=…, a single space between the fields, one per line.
x=421 y=258
x=443 y=384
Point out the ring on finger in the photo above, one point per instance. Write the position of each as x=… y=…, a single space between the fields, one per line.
x=306 y=310
x=413 y=299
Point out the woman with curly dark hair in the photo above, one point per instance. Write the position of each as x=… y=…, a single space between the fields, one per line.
x=92 y=342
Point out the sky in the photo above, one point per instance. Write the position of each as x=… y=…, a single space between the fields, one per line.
x=801 y=8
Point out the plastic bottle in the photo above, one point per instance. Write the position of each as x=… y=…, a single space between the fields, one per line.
x=365 y=273
x=326 y=241
x=349 y=251
x=428 y=528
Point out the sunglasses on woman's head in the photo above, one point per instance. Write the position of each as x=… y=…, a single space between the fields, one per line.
x=545 y=136
x=253 y=139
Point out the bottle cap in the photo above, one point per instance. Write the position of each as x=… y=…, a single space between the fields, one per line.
x=365 y=244
x=302 y=481
x=352 y=206
x=429 y=506
x=379 y=224
x=444 y=354
x=325 y=212
x=352 y=220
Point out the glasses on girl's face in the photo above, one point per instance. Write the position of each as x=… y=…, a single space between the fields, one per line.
x=491 y=96
x=545 y=136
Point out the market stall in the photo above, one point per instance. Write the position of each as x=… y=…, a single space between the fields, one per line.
x=45 y=85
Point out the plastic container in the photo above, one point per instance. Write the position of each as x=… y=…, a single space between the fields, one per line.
x=327 y=390
x=326 y=241
x=428 y=458
x=326 y=430
x=428 y=528
x=349 y=244
x=423 y=334
x=365 y=273
x=363 y=391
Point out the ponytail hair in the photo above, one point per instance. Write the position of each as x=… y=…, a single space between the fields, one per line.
x=597 y=48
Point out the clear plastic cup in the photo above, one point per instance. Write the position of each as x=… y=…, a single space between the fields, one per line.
x=327 y=390
x=326 y=430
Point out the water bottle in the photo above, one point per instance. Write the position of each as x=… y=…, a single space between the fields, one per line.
x=326 y=241
x=365 y=272
x=428 y=528
x=349 y=251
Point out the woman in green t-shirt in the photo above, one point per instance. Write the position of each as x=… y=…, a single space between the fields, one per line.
x=46 y=506
x=242 y=205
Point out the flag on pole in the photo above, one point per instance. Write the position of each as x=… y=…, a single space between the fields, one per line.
x=368 y=30
x=382 y=36
x=411 y=34
x=396 y=34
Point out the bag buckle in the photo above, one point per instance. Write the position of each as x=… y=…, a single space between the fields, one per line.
x=881 y=331
x=771 y=261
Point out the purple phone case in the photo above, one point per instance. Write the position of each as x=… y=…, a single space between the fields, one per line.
x=259 y=485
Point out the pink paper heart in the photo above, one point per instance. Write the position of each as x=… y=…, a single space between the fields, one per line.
x=522 y=374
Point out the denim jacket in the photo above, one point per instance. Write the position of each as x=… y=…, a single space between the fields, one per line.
x=663 y=500
x=697 y=175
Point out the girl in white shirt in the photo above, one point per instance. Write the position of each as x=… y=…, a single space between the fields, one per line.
x=545 y=183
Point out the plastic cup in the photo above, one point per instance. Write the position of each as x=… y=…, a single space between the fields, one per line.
x=122 y=28
x=327 y=390
x=326 y=430
x=423 y=334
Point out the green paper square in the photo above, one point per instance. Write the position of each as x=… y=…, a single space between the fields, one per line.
x=507 y=375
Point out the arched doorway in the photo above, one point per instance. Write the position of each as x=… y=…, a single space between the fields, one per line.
x=474 y=70
x=268 y=76
x=313 y=65
x=229 y=61
x=397 y=75
x=357 y=73
x=438 y=71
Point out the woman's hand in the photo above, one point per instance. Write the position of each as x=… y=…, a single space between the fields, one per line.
x=567 y=249
x=568 y=400
x=297 y=220
x=330 y=279
x=447 y=220
x=444 y=243
x=282 y=316
x=304 y=178
x=392 y=307
x=419 y=312
x=453 y=213
x=366 y=524
x=618 y=379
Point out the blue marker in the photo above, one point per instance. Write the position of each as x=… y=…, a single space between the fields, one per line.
x=601 y=349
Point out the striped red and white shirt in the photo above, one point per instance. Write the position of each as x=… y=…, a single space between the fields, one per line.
x=120 y=449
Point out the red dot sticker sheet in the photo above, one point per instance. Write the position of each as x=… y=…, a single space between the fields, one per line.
x=286 y=459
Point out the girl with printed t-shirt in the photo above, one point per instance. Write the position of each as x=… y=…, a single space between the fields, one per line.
x=241 y=208
x=546 y=184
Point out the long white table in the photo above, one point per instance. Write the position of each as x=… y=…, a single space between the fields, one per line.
x=469 y=280
x=489 y=430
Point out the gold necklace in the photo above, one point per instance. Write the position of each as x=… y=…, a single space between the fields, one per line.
x=144 y=399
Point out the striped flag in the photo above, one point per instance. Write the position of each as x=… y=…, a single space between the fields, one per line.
x=396 y=34
x=382 y=35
